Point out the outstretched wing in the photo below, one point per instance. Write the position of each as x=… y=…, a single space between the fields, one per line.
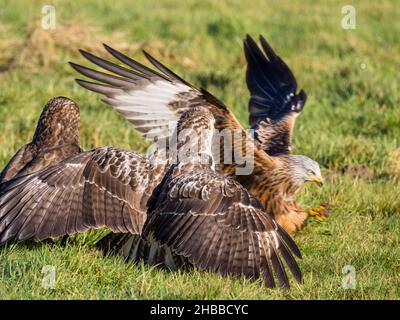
x=25 y=161
x=218 y=226
x=152 y=101
x=274 y=103
x=105 y=187
x=17 y=163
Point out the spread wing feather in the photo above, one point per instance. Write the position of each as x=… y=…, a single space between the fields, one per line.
x=17 y=163
x=104 y=187
x=274 y=103
x=152 y=101
x=217 y=225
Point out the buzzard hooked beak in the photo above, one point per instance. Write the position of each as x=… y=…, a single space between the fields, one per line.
x=318 y=180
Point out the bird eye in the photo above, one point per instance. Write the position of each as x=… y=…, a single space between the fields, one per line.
x=311 y=172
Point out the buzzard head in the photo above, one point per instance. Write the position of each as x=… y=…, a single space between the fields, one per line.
x=58 y=123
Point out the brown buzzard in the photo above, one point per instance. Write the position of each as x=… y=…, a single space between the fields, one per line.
x=55 y=139
x=151 y=99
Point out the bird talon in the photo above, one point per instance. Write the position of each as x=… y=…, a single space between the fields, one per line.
x=320 y=213
x=320 y=218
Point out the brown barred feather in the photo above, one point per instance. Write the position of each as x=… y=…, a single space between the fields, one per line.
x=220 y=240
x=104 y=187
x=215 y=224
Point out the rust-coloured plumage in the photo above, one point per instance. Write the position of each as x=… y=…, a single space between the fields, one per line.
x=56 y=138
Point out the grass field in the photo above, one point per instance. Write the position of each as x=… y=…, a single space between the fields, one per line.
x=350 y=125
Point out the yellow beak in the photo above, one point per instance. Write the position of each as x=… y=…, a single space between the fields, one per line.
x=318 y=180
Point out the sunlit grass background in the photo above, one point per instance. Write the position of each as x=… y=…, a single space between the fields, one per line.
x=351 y=126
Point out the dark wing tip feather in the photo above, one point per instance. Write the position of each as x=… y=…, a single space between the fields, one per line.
x=269 y=71
x=172 y=75
x=268 y=49
x=91 y=57
x=103 y=77
x=116 y=69
x=77 y=67
x=247 y=39
x=99 y=88
x=302 y=96
x=291 y=262
x=279 y=269
x=278 y=63
x=133 y=63
x=273 y=90
x=212 y=99
x=287 y=239
x=85 y=53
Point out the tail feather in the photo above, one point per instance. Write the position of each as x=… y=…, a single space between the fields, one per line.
x=135 y=248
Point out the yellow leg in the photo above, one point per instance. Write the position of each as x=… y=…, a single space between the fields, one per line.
x=320 y=213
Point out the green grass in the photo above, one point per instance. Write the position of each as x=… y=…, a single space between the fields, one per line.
x=351 y=126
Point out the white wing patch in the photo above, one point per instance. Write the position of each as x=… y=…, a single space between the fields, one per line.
x=147 y=108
